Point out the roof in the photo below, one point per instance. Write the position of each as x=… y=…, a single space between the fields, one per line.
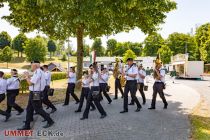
x=52 y=66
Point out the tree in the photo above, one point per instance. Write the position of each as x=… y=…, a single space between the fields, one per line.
x=36 y=49
x=5 y=39
x=86 y=50
x=6 y=55
x=61 y=19
x=128 y=54
x=152 y=43
x=97 y=46
x=165 y=54
x=18 y=43
x=136 y=48
x=51 y=47
x=111 y=46
x=183 y=43
x=202 y=39
x=121 y=48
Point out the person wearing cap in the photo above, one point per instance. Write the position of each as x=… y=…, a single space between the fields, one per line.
x=45 y=98
x=94 y=81
x=131 y=85
x=159 y=75
x=85 y=91
x=140 y=80
x=71 y=86
x=104 y=77
x=36 y=84
x=13 y=85
x=3 y=88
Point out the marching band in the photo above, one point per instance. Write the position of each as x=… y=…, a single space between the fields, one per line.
x=94 y=82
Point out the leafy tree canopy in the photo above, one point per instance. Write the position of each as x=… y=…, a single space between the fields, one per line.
x=128 y=54
x=5 y=39
x=18 y=43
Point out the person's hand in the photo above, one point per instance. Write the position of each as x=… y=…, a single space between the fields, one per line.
x=26 y=74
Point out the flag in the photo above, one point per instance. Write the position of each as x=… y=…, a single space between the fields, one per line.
x=92 y=57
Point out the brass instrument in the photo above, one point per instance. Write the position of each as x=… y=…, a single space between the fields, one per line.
x=157 y=62
x=117 y=74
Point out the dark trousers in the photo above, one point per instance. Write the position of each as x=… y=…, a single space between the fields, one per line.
x=70 y=90
x=130 y=86
x=84 y=95
x=158 y=88
x=141 y=90
x=96 y=102
x=11 y=96
x=45 y=99
x=2 y=97
x=37 y=106
x=103 y=89
x=118 y=86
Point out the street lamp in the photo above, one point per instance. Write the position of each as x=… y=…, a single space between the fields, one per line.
x=68 y=41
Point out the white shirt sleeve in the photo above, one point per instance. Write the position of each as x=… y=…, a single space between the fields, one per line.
x=35 y=78
x=9 y=81
x=162 y=73
x=95 y=76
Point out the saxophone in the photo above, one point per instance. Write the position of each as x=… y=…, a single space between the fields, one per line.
x=117 y=74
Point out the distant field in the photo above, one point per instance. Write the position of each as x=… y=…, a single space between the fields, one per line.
x=21 y=63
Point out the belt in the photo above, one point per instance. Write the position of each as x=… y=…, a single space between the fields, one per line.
x=131 y=80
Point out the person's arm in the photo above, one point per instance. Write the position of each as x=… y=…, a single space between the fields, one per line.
x=142 y=75
x=135 y=72
x=9 y=81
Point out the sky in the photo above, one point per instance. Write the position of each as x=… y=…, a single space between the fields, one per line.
x=188 y=15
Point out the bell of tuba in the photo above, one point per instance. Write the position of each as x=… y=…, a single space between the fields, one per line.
x=157 y=62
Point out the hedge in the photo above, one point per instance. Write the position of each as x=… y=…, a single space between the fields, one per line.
x=24 y=84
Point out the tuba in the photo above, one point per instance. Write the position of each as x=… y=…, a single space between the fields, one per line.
x=157 y=62
x=117 y=74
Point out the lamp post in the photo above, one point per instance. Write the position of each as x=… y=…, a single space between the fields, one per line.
x=68 y=41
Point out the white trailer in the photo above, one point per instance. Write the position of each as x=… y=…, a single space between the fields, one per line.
x=187 y=69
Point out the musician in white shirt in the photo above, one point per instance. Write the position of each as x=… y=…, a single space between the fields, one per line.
x=104 y=77
x=94 y=79
x=85 y=81
x=36 y=85
x=45 y=98
x=3 y=87
x=140 y=80
x=131 y=85
x=71 y=87
x=13 y=85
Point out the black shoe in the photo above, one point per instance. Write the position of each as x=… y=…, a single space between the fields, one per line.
x=124 y=111
x=53 y=110
x=77 y=102
x=47 y=107
x=138 y=109
x=30 y=121
x=44 y=120
x=92 y=109
x=110 y=102
x=49 y=124
x=76 y=111
x=103 y=116
x=24 y=128
x=83 y=118
x=151 y=108
x=7 y=117
x=19 y=113
x=64 y=104
x=131 y=104
x=165 y=106
x=115 y=98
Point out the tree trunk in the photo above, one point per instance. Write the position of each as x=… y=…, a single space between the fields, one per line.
x=50 y=55
x=80 y=52
x=7 y=65
x=18 y=54
x=21 y=54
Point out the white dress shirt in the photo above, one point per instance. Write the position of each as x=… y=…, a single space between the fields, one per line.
x=141 y=72
x=13 y=83
x=86 y=82
x=3 y=85
x=38 y=80
x=72 y=77
x=47 y=75
x=104 y=78
x=132 y=70
x=162 y=74
x=95 y=78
